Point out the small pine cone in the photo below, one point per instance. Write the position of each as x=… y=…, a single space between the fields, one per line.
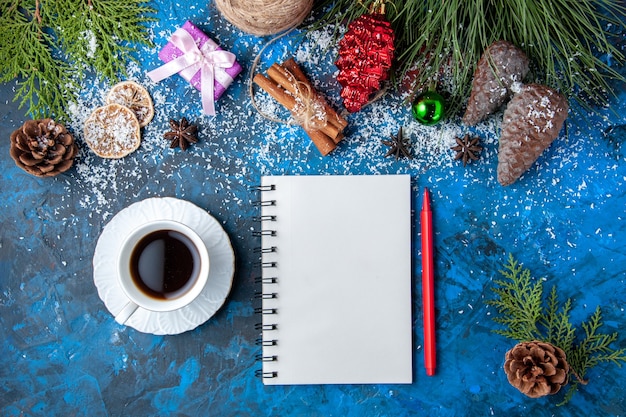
x=536 y=368
x=532 y=120
x=43 y=148
x=499 y=68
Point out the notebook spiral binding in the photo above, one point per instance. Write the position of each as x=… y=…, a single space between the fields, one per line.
x=262 y=327
x=265 y=203
x=265 y=326
x=271 y=249
x=266 y=296
x=270 y=187
x=261 y=233
x=266 y=280
x=259 y=373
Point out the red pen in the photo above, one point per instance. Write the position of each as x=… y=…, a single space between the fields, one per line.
x=428 y=286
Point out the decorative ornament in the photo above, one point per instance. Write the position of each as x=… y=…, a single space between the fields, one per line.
x=428 y=108
x=536 y=368
x=182 y=134
x=365 y=56
x=550 y=352
x=532 y=120
x=112 y=131
x=501 y=66
x=264 y=17
x=467 y=149
x=398 y=147
x=43 y=148
x=135 y=97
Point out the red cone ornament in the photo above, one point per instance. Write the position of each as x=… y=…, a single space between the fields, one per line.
x=365 y=56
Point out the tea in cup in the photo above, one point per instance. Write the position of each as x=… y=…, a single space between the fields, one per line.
x=163 y=265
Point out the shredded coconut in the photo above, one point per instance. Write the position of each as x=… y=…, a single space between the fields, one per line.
x=238 y=145
x=92 y=43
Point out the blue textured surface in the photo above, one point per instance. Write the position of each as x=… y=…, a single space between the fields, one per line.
x=63 y=354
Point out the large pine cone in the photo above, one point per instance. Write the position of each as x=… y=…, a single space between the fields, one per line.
x=43 y=148
x=536 y=368
x=532 y=120
x=499 y=68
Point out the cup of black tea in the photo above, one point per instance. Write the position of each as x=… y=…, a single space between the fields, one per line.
x=163 y=265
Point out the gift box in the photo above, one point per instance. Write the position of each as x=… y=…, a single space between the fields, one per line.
x=194 y=56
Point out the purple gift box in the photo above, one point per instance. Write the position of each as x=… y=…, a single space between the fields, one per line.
x=223 y=76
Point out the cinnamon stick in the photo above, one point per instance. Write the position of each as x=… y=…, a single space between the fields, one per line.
x=288 y=82
x=321 y=140
x=295 y=69
x=274 y=90
x=291 y=69
x=335 y=123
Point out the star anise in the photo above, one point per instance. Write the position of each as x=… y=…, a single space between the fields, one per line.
x=397 y=146
x=182 y=134
x=467 y=149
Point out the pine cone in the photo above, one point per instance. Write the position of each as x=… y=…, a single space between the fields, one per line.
x=536 y=368
x=501 y=65
x=532 y=120
x=43 y=148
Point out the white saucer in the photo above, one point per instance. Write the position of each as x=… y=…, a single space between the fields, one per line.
x=220 y=274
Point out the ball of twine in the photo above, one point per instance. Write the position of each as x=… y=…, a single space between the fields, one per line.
x=264 y=17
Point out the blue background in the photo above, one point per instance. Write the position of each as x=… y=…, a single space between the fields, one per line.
x=63 y=354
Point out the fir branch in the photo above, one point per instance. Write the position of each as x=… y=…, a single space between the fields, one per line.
x=94 y=37
x=559 y=330
x=47 y=47
x=517 y=296
x=44 y=82
x=518 y=303
x=595 y=347
x=565 y=40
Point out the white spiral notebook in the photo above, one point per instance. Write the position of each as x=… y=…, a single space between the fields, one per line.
x=336 y=279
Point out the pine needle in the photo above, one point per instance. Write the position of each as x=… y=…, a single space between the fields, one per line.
x=567 y=41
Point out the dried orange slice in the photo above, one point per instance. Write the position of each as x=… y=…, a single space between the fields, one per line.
x=112 y=131
x=135 y=97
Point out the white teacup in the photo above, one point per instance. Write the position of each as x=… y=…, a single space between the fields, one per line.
x=163 y=265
